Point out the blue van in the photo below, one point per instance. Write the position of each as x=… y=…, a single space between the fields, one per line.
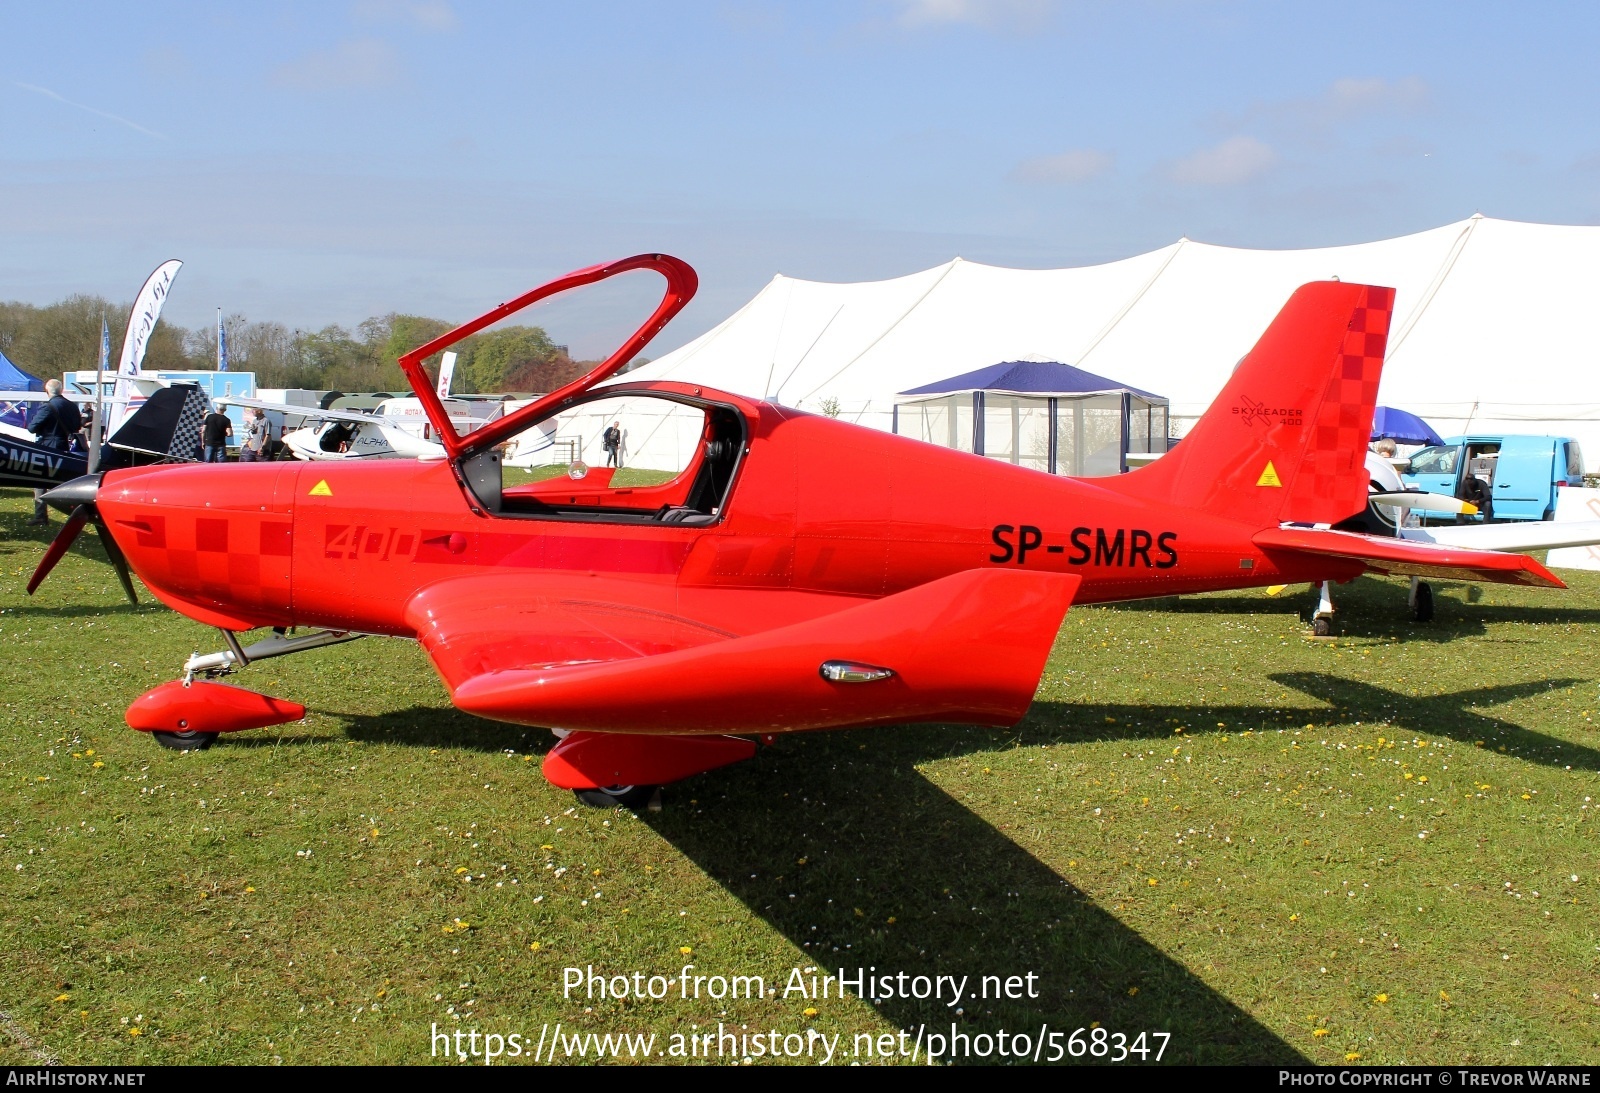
x=1517 y=475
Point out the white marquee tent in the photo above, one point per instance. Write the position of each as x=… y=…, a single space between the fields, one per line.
x=1495 y=328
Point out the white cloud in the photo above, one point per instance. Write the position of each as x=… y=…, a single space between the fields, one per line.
x=986 y=13
x=1346 y=100
x=1234 y=161
x=360 y=62
x=1350 y=97
x=1077 y=165
x=435 y=15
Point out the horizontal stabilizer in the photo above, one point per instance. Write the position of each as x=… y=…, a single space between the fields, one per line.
x=1404 y=558
x=969 y=647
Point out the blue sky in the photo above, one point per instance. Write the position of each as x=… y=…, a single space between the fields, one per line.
x=322 y=162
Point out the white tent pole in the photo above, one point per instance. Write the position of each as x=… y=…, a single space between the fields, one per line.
x=1433 y=288
x=777 y=340
x=705 y=340
x=775 y=393
x=948 y=269
x=1106 y=330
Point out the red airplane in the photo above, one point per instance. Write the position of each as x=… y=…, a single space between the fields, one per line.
x=799 y=573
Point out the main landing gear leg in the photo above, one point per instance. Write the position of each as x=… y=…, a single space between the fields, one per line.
x=1421 y=601
x=1322 y=620
x=233 y=658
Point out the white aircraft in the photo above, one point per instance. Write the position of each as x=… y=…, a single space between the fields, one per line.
x=396 y=429
x=1389 y=506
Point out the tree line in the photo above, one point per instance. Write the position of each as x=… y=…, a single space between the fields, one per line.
x=65 y=336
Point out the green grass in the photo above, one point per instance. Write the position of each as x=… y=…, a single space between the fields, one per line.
x=171 y=893
x=625 y=476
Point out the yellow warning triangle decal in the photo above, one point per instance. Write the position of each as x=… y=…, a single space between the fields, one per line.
x=1269 y=477
x=321 y=488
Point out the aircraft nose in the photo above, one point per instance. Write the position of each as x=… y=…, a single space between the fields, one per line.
x=69 y=495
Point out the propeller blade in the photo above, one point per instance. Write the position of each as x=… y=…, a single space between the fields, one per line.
x=1418 y=501
x=118 y=559
x=59 y=546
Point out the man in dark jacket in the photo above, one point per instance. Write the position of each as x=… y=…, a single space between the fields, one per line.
x=611 y=442
x=53 y=425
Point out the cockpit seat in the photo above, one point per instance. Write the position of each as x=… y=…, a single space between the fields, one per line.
x=679 y=514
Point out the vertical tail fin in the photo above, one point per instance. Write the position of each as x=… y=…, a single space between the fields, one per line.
x=1286 y=440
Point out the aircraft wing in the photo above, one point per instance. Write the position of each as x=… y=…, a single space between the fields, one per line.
x=1407 y=558
x=613 y=655
x=308 y=413
x=1520 y=535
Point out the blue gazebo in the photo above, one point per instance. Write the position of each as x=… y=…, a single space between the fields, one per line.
x=1045 y=415
x=13 y=378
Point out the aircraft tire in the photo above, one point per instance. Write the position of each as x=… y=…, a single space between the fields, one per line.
x=1322 y=627
x=189 y=740
x=611 y=797
x=1422 y=607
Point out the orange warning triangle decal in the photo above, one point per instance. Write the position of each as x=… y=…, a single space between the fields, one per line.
x=1269 y=477
x=321 y=488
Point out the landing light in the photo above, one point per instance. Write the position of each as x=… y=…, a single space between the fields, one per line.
x=848 y=671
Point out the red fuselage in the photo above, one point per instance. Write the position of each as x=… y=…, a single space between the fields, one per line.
x=818 y=510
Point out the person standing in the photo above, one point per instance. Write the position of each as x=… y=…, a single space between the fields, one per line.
x=611 y=441
x=54 y=425
x=257 y=431
x=214 y=434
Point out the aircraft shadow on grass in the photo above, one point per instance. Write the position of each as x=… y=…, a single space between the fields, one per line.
x=443 y=727
x=1453 y=715
x=146 y=606
x=1373 y=608
x=878 y=836
x=828 y=824
x=862 y=862
x=806 y=842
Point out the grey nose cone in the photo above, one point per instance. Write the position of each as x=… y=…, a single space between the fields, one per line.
x=69 y=495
